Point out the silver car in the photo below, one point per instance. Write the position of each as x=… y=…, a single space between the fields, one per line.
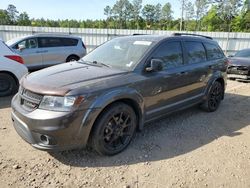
x=43 y=50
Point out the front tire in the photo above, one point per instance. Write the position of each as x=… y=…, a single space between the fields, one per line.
x=8 y=85
x=214 y=97
x=114 y=129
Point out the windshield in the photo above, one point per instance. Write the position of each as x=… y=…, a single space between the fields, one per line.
x=243 y=53
x=122 y=53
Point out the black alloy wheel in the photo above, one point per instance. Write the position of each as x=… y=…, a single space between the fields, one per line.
x=114 y=130
x=214 y=97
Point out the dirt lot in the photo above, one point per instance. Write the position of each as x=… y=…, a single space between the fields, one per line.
x=189 y=149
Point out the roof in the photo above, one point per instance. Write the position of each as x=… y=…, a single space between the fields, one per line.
x=174 y=36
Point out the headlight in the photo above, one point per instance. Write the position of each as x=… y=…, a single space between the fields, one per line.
x=62 y=104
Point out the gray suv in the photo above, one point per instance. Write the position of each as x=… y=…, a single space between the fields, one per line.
x=102 y=99
x=44 y=50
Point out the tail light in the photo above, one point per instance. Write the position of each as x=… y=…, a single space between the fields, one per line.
x=15 y=58
x=83 y=45
x=227 y=62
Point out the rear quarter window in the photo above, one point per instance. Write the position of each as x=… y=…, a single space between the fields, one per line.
x=69 y=42
x=213 y=51
x=195 y=51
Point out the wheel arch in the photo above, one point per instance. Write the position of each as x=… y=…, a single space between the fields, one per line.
x=11 y=74
x=126 y=96
x=72 y=55
x=218 y=78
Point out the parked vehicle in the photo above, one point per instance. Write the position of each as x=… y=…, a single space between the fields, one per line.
x=11 y=70
x=117 y=88
x=44 y=50
x=239 y=65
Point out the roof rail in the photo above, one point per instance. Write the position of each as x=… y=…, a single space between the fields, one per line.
x=135 y=34
x=190 y=34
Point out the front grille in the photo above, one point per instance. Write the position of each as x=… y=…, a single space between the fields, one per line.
x=238 y=70
x=29 y=100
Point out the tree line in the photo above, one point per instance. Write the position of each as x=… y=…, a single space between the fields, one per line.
x=200 y=15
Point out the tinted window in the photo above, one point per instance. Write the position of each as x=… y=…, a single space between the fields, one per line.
x=170 y=53
x=49 y=42
x=196 y=52
x=69 y=42
x=213 y=51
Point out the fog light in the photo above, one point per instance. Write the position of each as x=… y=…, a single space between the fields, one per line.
x=44 y=139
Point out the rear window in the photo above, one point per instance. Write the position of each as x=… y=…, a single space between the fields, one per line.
x=56 y=42
x=196 y=52
x=213 y=51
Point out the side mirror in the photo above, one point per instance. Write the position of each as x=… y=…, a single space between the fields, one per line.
x=155 y=65
x=21 y=47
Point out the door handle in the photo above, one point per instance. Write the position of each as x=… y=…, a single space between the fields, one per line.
x=44 y=51
x=182 y=73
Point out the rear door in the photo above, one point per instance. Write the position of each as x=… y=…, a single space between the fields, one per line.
x=30 y=55
x=197 y=65
x=168 y=89
x=52 y=50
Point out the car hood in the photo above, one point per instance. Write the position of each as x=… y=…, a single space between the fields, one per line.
x=239 y=61
x=61 y=79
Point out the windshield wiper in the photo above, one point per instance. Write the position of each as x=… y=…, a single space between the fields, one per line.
x=96 y=63
x=100 y=63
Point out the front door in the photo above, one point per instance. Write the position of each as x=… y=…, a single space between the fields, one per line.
x=167 y=89
x=28 y=50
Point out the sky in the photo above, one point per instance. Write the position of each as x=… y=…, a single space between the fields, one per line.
x=73 y=9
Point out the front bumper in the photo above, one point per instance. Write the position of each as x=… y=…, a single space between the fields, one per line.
x=238 y=76
x=49 y=130
x=238 y=72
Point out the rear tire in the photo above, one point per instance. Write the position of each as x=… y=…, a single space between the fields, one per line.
x=114 y=129
x=8 y=85
x=72 y=58
x=214 y=97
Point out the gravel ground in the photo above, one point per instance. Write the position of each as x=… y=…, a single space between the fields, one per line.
x=191 y=148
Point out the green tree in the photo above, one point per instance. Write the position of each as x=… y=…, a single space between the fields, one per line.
x=201 y=10
x=4 y=17
x=12 y=13
x=166 y=12
x=151 y=14
x=228 y=10
x=166 y=16
x=137 y=6
x=23 y=19
x=189 y=15
x=108 y=12
x=122 y=10
x=211 y=22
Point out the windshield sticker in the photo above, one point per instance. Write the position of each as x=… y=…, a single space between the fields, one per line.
x=129 y=64
x=146 y=43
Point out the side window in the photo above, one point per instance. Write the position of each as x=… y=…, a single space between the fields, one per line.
x=28 y=43
x=69 y=42
x=22 y=43
x=213 y=51
x=170 y=53
x=45 y=42
x=196 y=52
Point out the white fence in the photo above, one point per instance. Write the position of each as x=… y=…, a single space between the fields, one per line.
x=230 y=42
